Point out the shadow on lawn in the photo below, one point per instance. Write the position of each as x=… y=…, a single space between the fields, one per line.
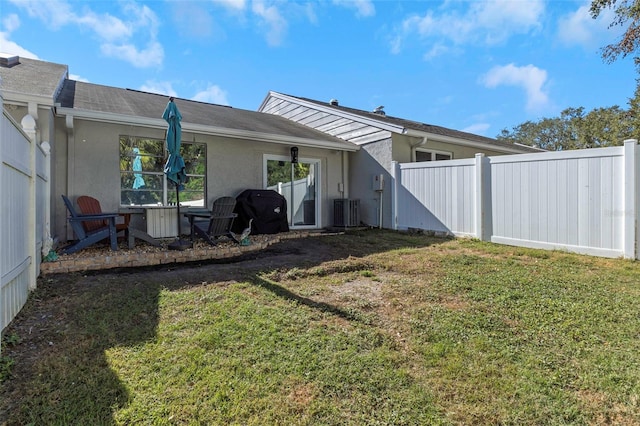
x=61 y=374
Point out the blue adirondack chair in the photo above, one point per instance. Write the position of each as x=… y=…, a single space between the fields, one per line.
x=85 y=239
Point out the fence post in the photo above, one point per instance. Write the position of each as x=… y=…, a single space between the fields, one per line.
x=2 y=230
x=481 y=197
x=630 y=199
x=29 y=126
x=395 y=176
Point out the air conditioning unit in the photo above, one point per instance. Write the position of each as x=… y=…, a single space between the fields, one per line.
x=346 y=212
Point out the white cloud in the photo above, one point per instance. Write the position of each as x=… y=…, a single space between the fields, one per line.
x=159 y=87
x=212 y=94
x=477 y=129
x=363 y=8
x=438 y=49
x=54 y=13
x=194 y=20
x=272 y=19
x=76 y=77
x=529 y=78
x=117 y=37
x=234 y=5
x=11 y=23
x=151 y=56
x=579 y=28
x=487 y=22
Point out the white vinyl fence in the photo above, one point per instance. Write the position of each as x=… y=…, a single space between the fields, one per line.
x=23 y=188
x=584 y=201
x=302 y=209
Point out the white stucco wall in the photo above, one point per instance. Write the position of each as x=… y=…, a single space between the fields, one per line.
x=233 y=165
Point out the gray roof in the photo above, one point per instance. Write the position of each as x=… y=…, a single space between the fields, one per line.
x=33 y=77
x=421 y=127
x=106 y=99
x=30 y=77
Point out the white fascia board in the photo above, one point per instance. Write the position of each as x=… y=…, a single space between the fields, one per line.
x=355 y=117
x=464 y=142
x=159 y=123
x=22 y=99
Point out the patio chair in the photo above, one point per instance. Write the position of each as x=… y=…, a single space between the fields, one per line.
x=211 y=225
x=91 y=206
x=87 y=238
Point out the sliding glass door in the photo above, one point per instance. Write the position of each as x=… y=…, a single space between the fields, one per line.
x=298 y=183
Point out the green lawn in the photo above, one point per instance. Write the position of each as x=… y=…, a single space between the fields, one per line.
x=393 y=329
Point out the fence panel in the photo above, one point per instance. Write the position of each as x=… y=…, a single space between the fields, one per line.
x=572 y=200
x=15 y=278
x=438 y=196
x=585 y=201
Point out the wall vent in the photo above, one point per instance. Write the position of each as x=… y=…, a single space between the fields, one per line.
x=346 y=212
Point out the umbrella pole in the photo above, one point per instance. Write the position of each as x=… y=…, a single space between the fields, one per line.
x=179 y=243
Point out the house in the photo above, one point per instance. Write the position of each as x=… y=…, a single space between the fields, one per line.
x=382 y=139
x=97 y=133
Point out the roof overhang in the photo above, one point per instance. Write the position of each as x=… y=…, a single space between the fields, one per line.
x=335 y=111
x=503 y=148
x=159 y=123
x=24 y=99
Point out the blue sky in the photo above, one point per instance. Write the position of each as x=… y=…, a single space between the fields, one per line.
x=479 y=66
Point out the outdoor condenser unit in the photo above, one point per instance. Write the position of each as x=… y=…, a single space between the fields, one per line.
x=346 y=212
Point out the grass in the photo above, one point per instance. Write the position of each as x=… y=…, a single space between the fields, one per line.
x=392 y=329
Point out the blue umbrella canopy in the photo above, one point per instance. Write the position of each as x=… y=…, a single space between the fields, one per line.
x=138 y=181
x=174 y=168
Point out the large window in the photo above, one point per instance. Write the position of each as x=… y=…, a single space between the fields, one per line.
x=142 y=178
x=425 y=155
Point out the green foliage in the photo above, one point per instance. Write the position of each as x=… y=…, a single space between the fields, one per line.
x=153 y=156
x=574 y=129
x=7 y=362
x=626 y=12
x=280 y=171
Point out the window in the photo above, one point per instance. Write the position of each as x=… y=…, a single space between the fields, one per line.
x=142 y=178
x=422 y=155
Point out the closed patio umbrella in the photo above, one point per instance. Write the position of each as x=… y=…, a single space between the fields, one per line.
x=175 y=168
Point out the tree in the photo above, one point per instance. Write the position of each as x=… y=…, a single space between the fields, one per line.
x=627 y=12
x=575 y=130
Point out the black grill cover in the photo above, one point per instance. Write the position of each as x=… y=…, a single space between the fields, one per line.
x=267 y=208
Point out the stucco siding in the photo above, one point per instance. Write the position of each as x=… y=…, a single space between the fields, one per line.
x=233 y=165
x=372 y=159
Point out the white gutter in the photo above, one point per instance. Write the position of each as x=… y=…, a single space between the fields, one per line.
x=159 y=123
x=464 y=142
x=22 y=99
x=421 y=142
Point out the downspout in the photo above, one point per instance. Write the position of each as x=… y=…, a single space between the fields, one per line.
x=71 y=170
x=345 y=175
x=421 y=142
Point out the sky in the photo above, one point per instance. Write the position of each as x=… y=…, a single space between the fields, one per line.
x=476 y=65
